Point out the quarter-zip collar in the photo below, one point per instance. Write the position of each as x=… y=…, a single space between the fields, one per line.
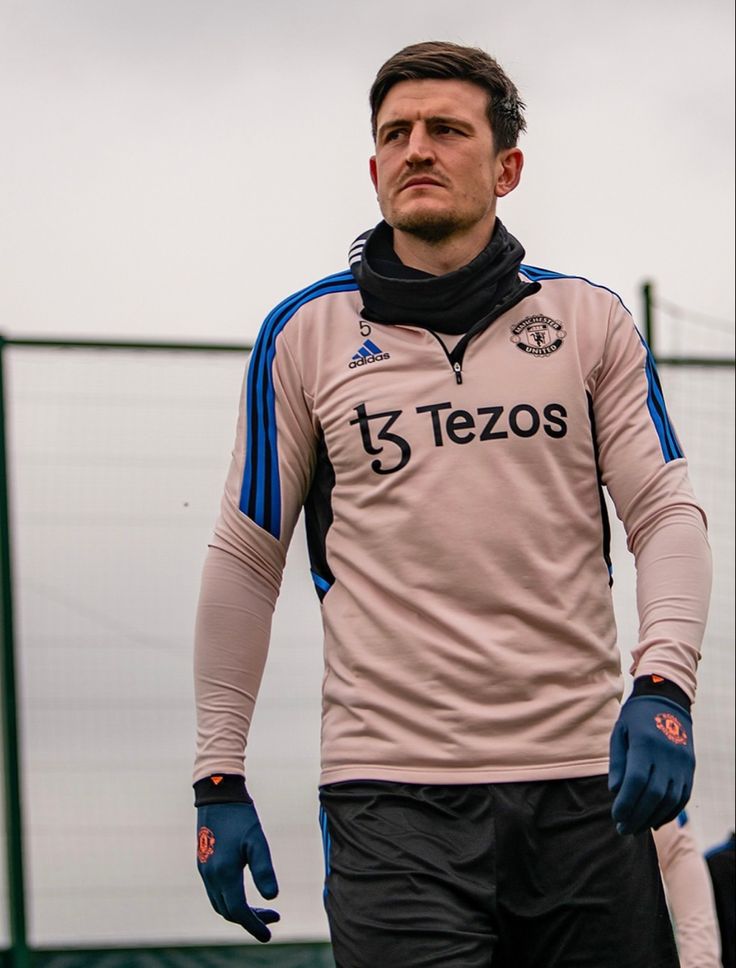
x=456 y=302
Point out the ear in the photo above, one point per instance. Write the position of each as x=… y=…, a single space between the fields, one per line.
x=374 y=171
x=508 y=170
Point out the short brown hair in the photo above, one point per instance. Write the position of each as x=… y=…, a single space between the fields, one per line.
x=443 y=60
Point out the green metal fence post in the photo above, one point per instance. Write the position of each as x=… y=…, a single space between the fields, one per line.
x=19 y=954
x=647 y=292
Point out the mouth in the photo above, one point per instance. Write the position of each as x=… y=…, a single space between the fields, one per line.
x=421 y=183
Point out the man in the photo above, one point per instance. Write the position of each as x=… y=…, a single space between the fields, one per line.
x=447 y=417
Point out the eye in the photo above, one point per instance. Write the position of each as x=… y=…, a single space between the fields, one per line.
x=393 y=135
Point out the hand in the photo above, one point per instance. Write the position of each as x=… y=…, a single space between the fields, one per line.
x=652 y=763
x=229 y=837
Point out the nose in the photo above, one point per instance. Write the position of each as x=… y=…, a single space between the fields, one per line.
x=419 y=150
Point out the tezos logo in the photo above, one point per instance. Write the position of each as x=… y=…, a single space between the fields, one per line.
x=538 y=335
x=393 y=451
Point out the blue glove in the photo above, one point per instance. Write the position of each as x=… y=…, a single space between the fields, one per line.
x=652 y=763
x=229 y=837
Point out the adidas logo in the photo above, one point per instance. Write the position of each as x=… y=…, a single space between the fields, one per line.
x=368 y=353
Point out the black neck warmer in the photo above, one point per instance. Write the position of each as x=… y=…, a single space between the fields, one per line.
x=452 y=303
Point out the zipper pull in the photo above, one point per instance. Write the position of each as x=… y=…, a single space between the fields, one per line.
x=458 y=372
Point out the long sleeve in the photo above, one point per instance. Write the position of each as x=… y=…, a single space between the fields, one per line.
x=270 y=471
x=690 y=896
x=645 y=471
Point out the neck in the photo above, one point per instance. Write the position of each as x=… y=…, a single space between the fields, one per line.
x=439 y=258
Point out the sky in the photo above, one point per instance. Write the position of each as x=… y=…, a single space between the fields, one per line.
x=174 y=168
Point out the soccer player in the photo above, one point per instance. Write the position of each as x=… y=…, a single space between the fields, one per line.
x=448 y=417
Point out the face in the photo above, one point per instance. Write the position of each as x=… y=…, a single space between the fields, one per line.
x=435 y=170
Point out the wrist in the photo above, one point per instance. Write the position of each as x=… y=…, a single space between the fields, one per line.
x=221 y=788
x=661 y=688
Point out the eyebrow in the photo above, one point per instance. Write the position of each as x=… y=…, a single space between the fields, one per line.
x=434 y=119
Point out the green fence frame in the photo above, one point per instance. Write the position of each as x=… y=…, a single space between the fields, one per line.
x=194 y=956
x=309 y=955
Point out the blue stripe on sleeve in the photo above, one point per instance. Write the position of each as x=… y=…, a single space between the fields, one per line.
x=668 y=441
x=260 y=495
x=535 y=274
x=671 y=449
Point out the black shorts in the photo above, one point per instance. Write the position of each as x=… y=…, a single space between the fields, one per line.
x=506 y=875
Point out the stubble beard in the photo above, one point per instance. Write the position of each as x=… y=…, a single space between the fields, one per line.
x=433 y=228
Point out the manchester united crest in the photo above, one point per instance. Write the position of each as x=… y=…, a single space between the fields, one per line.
x=672 y=728
x=538 y=335
x=205 y=844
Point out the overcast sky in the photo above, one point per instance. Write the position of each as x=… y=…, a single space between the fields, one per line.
x=173 y=168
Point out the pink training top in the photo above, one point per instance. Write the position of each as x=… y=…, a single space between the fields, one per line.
x=457 y=534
